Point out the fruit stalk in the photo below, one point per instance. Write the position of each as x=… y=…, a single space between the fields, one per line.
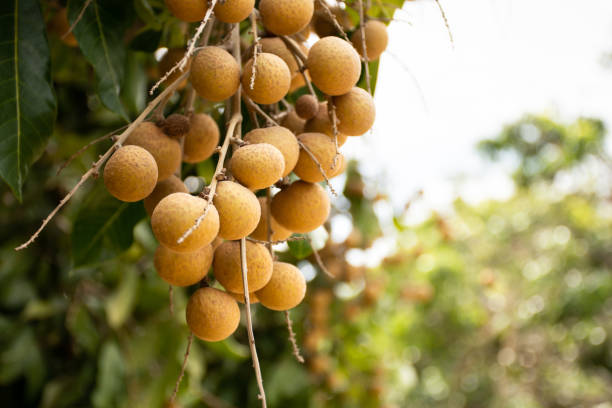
x=363 y=46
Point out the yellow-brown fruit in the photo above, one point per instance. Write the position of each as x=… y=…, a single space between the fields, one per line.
x=227 y=267
x=215 y=74
x=168 y=61
x=321 y=123
x=216 y=242
x=164 y=188
x=340 y=166
x=201 y=140
x=293 y=122
x=272 y=79
x=240 y=297
x=302 y=35
x=130 y=174
x=285 y=17
x=257 y=165
x=178 y=212
x=276 y=46
x=323 y=149
x=286 y=288
x=281 y=138
x=323 y=25
x=60 y=25
x=334 y=65
x=301 y=207
x=187 y=10
x=307 y=106
x=165 y=150
x=182 y=268
x=376 y=39
x=355 y=112
x=297 y=82
x=277 y=231
x=238 y=209
x=233 y=11
x=212 y=315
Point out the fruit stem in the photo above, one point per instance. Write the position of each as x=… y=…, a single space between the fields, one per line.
x=331 y=112
x=292 y=340
x=183 y=366
x=257 y=108
x=450 y=34
x=300 y=58
x=362 y=23
x=333 y=19
x=256 y=46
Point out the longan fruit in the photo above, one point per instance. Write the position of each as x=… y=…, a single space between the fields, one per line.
x=201 y=140
x=257 y=165
x=212 y=314
x=169 y=60
x=60 y=25
x=301 y=207
x=286 y=288
x=323 y=25
x=272 y=79
x=276 y=46
x=215 y=74
x=298 y=82
x=340 y=166
x=355 y=111
x=321 y=123
x=164 y=188
x=293 y=122
x=233 y=11
x=307 y=106
x=253 y=299
x=321 y=147
x=227 y=266
x=285 y=17
x=281 y=138
x=130 y=174
x=188 y=10
x=182 y=268
x=376 y=39
x=238 y=208
x=175 y=214
x=165 y=150
x=277 y=231
x=334 y=65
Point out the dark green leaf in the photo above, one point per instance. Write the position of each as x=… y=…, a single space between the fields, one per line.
x=300 y=249
x=147 y=41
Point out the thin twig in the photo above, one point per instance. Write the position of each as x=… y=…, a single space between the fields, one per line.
x=269 y=221
x=292 y=340
x=258 y=109
x=183 y=366
x=331 y=112
x=362 y=23
x=171 y=299
x=256 y=46
x=300 y=58
x=335 y=22
x=316 y=161
x=79 y=17
x=282 y=241
x=450 y=34
x=319 y=261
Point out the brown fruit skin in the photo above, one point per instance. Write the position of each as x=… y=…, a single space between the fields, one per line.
x=182 y=268
x=285 y=17
x=257 y=165
x=322 y=124
x=178 y=212
x=187 y=10
x=376 y=39
x=130 y=174
x=163 y=188
x=355 y=111
x=60 y=25
x=307 y=106
x=334 y=65
x=323 y=25
x=253 y=299
x=175 y=125
x=281 y=138
x=301 y=207
x=212 y=315
x=276 y=46
x=272 y=79
x=227 y=267
x=165 y=150
x=238 y=208
x=322 y=147
x=168 y=61
x=233 y=11
x=277 y=231
x=286 y=289
x=201 y=140
x=293 y=122
x=215 y=74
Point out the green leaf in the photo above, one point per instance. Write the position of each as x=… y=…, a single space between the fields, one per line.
x=28 y=107
x=300 y=249
x=119 y=306
x=100 y=36
x=110 y=384
x=104 y=227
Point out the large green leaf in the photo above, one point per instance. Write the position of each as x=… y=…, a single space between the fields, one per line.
x=27 y=107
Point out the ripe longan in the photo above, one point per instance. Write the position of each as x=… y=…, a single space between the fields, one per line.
x=285 y=17
x=130 y=174
x=334 y=65
x=178 y=212
x=321 y=123
x=286 y=288
x=272 y=79
x=227 y=266
x=298 y=82
x=169 y=60
x=212 y=315
x=165 y=150
x=253 y=299
x=201 y=140
x=376 y=39
x=355 y=111
x=187 y=10
x=164 y=188
x=182 y=268
x=238 y=208
x=301 y=207
x=277 y=231
x=321 y=147
x=307 y=106
x=281 y=138
x=293 y=122
x=233 y=11
x=257 y=165
x=215 y=74
x=323 y=25
x=276 y=46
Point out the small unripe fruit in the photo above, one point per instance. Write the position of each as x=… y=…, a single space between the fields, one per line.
x=323 y=149
x=201 y=140
x=321 y=123
x=334 y=65
x=182 y=268
x=165 y=150
x=281 y=138
x=240 y=297
x=307 y=106
x=293 y=122
x=187 y=10
x=355 y=111
x=301 y=207
x=376 y=39
x=178 y=212
x=272 y=79
x=286 y=289
x=168 y=61
x=212 y=315
x=285 y=17
x=277 y=231
x=258 y=165
x=130 y=174
x=228 y=271
x=215 y=74
x=238 y=209
x=233 y=11
x=163 y=188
